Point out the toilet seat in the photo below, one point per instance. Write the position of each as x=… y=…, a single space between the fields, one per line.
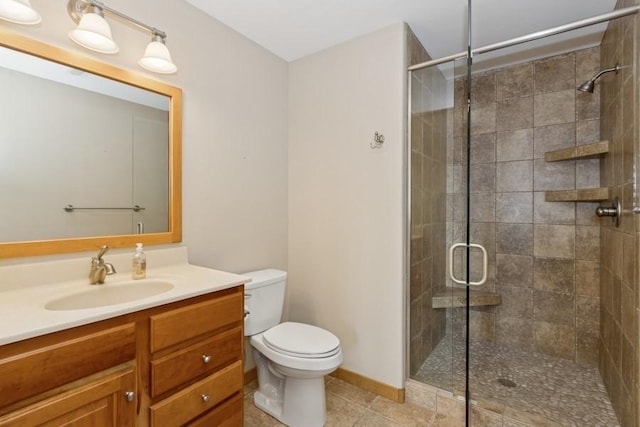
x=301 y=340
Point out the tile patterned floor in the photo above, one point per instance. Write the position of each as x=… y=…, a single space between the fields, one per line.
x=554 y=389
x=549 y=392
x=348 y=405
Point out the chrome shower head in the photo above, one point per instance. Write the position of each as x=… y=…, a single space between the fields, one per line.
x=587 y=86
x=590 y=84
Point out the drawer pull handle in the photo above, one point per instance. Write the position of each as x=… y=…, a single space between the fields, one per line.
x=206 y=358
x=129 y=395
x=205 y=398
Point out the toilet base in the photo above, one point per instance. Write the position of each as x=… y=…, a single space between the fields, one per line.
x=296 y=402
x=302 y=405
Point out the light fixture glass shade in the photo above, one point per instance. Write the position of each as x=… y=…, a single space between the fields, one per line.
x=157 y=59
x=94 y=33
x=19 y=12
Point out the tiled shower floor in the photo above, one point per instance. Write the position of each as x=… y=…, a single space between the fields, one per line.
x=546 y=386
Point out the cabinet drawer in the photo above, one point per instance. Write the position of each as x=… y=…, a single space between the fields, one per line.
x=204 y=357
x=198 y=398
x=44 y=368
x=179 y=325
x=228 y=414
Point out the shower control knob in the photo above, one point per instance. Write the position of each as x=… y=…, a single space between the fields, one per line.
x=606 y=211
x=614 y=211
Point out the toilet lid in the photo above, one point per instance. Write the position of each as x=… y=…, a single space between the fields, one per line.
x=301 y=340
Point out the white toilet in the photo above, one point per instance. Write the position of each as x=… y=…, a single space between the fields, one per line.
x=292 y=358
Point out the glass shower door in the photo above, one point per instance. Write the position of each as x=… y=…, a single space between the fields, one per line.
x=438 y=219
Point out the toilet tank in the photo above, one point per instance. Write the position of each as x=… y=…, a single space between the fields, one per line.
x=264 y=298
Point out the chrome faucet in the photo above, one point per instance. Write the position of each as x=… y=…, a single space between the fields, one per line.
x=99 y=268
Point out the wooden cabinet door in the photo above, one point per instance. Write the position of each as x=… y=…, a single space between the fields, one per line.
x=100 y=403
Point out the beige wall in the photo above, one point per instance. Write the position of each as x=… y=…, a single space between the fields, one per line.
x=346 y=199
x=346 y=268
x=234 y=127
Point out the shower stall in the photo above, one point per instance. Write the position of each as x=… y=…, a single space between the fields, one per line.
x=521 y=297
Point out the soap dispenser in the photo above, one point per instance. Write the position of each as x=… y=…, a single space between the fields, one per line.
x=139 y=270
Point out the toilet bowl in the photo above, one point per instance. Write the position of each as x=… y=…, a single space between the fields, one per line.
x=291 y=358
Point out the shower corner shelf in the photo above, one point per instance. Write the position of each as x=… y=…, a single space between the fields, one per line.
x=586 y=151
x=580 y=195
x=456 y=297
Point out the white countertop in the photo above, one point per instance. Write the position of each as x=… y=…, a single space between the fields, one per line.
x=26 y=289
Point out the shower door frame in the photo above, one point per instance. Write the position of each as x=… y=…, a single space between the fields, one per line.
x=468 y=55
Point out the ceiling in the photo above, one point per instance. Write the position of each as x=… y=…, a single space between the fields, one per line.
x=293 y=29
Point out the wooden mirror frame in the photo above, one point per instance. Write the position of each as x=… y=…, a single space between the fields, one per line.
x=40 y=49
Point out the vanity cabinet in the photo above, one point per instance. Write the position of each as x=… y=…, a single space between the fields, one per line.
x=171 y=365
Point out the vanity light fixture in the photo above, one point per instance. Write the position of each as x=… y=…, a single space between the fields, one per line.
x=94 y=33
x=157 y=58
x=19 y=12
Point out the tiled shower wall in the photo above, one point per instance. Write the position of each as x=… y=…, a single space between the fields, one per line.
x=428 y=198
x=619 y=362
x=543 y=257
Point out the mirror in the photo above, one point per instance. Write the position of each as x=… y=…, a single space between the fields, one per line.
x=90 y=154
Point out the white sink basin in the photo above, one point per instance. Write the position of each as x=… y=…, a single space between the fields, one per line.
x=110 y=294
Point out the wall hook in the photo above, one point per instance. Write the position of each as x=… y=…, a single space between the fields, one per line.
x=378 y=140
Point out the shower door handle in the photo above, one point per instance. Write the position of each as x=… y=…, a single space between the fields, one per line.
x=484 y=263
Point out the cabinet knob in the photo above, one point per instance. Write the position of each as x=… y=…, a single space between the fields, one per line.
x=205 y=397
x=129 y=395
x=206 y=358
